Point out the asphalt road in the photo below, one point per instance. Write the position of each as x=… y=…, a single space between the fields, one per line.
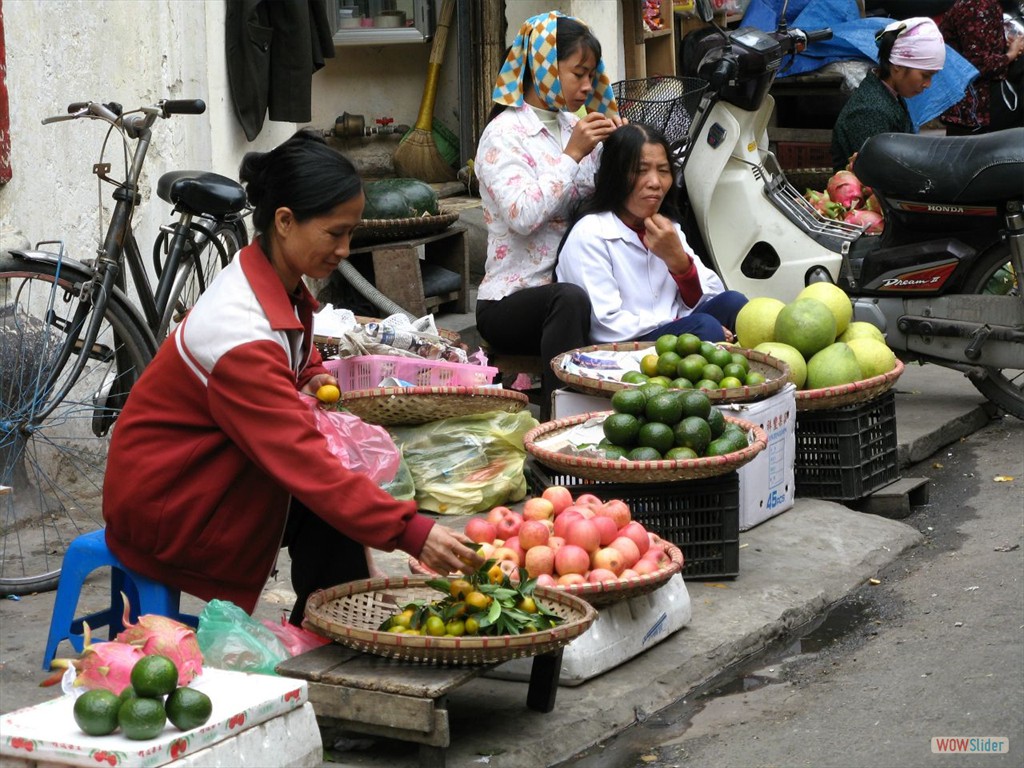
x=935 y=649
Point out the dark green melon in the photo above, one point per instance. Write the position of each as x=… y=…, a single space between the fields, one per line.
x=399 y=199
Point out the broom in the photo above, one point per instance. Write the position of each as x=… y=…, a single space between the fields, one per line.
x=417 y=156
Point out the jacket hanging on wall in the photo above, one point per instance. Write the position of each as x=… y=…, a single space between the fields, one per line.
x=273 y=48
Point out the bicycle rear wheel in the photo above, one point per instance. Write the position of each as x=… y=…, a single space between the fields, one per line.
x=212 y=244
x=55 y=465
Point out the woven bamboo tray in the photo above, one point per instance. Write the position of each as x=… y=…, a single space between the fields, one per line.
x=386 y=230
x=400 y=406
x=350 y=614
x=606 y=592
x=776 y=373
x=848 y=394
x=623 y=471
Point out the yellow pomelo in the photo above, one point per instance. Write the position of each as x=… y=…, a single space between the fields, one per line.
x=807 y=324
x=755 y=322
x=833 y=366
x=834 y=298
x=789 y=355
x=860 y=330
x=874 y=356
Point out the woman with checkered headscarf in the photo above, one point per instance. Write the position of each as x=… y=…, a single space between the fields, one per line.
x=536 y=159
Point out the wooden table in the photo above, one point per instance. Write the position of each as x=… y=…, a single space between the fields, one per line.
x=399 y=700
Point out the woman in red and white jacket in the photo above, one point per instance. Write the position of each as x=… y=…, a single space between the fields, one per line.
x=216 y=463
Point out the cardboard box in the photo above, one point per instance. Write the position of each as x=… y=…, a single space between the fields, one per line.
x=622 y=631
x=767 y=484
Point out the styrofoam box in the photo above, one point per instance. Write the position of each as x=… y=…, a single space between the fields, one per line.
x=767 y=483
x=622 y=631
x=565 y=403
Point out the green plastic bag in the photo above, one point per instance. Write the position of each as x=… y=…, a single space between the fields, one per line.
x=402 y=487
x=467 y=464
x=232 y=639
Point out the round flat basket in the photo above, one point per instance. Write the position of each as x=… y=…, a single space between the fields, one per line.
x=371 y=231
x=607 y=592
x=848 y=394
x=328 y=345
x=624 y=471
x=775 y=371
x=351 y=613
x=394 y=406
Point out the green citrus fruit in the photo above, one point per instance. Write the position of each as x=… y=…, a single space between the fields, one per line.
x=735 y=370
x=721 y=357
x=874 y=356
x=188 y=708
x=630 y=401
x=833 y=366
x=649 y=365
x=614 y=452
x=712 y=372
x=667 y=364
x=633 y=377
x=621 y=429
x=706 y=384
x=680 y=453
x=644 y=453
x=859 y=330
x=142 y=718
x=730 y=382
x=665 y=343
x=807 y=324
x=735 y=435
x=127 y=693
x=666 y=408
x=694 y=433
x=691 y=366
x=154 y=675
x=720 y=446
x=707 y=348
x=652 y=388
x=656 y=435
x=740 y=359
x=663 y=381
x=754 y=379
x=789 y=355
x=95 y=712
x=687 y=344
x=696 y=403
x=833 y=297
x=682 y=384
x=717 y=423
x=755 y=322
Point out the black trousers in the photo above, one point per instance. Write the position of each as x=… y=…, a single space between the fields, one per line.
x=322 y=556
x=547 y=321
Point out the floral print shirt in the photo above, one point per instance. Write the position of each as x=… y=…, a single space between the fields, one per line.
x=975 y=30
x=528 y=188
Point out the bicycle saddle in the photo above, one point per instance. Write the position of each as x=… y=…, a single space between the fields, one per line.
x=946 y=169
x=199 y=192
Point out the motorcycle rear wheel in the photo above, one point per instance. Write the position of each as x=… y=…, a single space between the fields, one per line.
x=994 y=274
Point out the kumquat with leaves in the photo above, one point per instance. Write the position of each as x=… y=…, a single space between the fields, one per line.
x=477 y=604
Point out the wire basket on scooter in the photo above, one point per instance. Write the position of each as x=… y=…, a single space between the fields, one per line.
x=667 y=103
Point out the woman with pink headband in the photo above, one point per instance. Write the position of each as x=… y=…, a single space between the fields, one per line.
x=910 y=53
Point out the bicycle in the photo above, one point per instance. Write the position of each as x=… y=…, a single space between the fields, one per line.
x=72 y=341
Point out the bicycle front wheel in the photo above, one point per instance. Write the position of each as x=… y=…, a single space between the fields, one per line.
x=211 y=245
x=54 y=465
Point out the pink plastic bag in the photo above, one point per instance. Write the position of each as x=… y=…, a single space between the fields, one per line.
x=296 y=639
x=359 y=446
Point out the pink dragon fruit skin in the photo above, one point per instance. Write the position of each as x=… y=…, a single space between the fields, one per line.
x=105 y=665
x=167 y=637
x=862 y=217
x=844 y=188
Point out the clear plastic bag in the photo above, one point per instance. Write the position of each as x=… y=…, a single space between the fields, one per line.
x=467 y=464
x=232 y=639
x=360 y=447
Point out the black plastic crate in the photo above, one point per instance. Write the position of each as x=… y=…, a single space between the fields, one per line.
x=846 y=453
x=701 y=517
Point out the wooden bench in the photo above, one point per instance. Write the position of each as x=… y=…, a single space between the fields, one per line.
x=405 y=701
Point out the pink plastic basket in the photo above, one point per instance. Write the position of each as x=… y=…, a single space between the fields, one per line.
x=367 y=371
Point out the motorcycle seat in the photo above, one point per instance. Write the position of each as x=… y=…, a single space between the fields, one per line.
x=945 y=169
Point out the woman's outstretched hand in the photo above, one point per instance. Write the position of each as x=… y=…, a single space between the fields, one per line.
x=446 y=551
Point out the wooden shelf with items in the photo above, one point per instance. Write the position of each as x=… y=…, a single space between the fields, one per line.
x=648 y=52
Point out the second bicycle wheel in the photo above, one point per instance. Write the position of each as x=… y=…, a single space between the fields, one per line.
x=54 y=464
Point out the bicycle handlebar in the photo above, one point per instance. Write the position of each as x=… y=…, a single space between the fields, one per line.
x=819 y=34
x=113 y=111
x=183 y=106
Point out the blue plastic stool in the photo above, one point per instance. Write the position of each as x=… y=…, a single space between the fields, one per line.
x=87 y=553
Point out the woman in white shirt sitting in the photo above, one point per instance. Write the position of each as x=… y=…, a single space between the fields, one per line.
x=628 y=252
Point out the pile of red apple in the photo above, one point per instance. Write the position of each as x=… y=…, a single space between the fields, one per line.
x=562 y=542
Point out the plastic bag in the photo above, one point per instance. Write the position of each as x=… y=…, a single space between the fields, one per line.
x=402 y=487
x=360 y=447
x=467 y=464
x=296 y=639
x=232 y=639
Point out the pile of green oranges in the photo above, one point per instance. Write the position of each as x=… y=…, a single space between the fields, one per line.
x=686 y=362
x=652 y=422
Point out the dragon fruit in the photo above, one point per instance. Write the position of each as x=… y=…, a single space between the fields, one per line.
x=105 y=665
x=871 y=220
x=821 y=202
x=845 y=188
x=166 y=637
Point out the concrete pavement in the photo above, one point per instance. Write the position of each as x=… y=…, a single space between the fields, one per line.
x=792 y=568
